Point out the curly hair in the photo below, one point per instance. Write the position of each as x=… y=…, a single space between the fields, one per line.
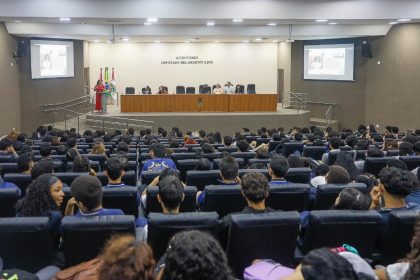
x=255 y=186
x=397 y=181
x=81 y=164
x=128 y=259
x=414 y=256
x=38 y=200
x=195 y=255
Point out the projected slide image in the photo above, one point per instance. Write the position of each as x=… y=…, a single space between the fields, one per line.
x=53 y=60
x=327 y=61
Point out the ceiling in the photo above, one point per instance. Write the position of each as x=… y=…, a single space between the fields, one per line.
x=186 y=20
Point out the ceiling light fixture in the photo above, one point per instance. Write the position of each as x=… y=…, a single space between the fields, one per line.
x=157 y=41
x=187 y=41
x=272 y=24
x=321 y=20
x=96 y=41
x=147 y=23
x=332 y=23
x=64 y=19
x=275 y=41
x=152 y=19
x=404 y=20
x=17 y=21
x=258 y=39
x=211 y=23
x=125 y=39
x=217 y=41
x=237 y=20
x=393 y=22
x=245 y=41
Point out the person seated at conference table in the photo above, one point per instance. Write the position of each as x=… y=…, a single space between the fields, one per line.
x=147 y=90
x=218 y=89
x=238 y=89
x=163 y=90
x=229 y=88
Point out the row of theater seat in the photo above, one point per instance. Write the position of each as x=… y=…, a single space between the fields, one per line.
x=26 y=242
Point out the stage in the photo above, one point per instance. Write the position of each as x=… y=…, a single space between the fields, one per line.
x=225 y=122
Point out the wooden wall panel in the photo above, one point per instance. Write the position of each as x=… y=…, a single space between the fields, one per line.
x=145 y=103
x=253 y=103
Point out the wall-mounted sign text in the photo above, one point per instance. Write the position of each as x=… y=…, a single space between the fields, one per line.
x=187 y=60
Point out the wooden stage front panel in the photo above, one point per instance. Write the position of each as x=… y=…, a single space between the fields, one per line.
x=199 y=103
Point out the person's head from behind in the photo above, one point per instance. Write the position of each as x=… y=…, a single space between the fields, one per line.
x=45 y=150
x=44 y=194
x=368 y=179
x=405 y=149
x=345 y=160
x=416 y=148
x=122 y=147
x=397 y=163
x=229 y=168
x=6 y=145
x=207 y=148
x=114 y=169
x=323 y=264
x=42 y=167
x=203 y=164
x=337 y=175
x=254 y=187
x=228 y=140
x=322 y=170
x=396 y=183
x=157 y=150
x=298 y=136
x=171 y=194
x=174 y=143
x=81 y=164
x=294 y=161
x=374 y=151
x=335 y=143
x=351 y=199
x=125 y=258
x=71 y=142
x=25 y=163
x=87 y=191
x=352 y=140
x=98 y=148
x=278 y=167
x=195 y=255
x=242 y=145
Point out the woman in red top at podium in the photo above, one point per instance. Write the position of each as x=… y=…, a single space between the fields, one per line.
x=99 y=88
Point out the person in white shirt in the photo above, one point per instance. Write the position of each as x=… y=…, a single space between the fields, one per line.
x=229 y=88
x=218 y=89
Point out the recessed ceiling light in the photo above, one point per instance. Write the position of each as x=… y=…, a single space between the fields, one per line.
x=152 y=19
x=237 y=20
x=211 y=23
x=393 y=22
x=404 y=20
x=258 y=39
x=275 y=41
x=217 y=41
x=157 y=41
x=321 y=20
x=96 y=41
x=332 y=23
x=64 y=19
x=187 y=41
x=272 y=24
x=147 y=23
x=125 y=39
x=17 y=21
x=193 y=39
x=290 y=41
x=245 y=41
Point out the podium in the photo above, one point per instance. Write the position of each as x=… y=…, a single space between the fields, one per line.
x=104 y=102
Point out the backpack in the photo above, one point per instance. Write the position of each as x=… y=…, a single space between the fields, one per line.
x=266 y=270
x=85 y=271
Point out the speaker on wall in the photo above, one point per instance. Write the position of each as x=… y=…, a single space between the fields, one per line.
x=22 y=48
x=366 y=49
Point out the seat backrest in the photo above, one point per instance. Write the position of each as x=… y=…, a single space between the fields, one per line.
x=68 y=177
x=245 y=155
x=124 y=198
x=84 y=238
x=129 y=156
x=22 y=181
x=263 y=141
x=180 y=150
x=161 y=227
x=299 y=175
x=190 y=90
x=211 y=156
x=100 y=158
x=8 y=167
x=206 y=90
x=228 y=149
x=333 y=228
x=187 y=205
x=398 y=235
x=224 y=199
x=216 y=163
x=26 y=243
x=375 y=165
x=250 y=88
x=264 y=161
x=148 y=176
x=130 y=178
x=130 y=90
x=262 y=236
x=272 y=145
x=291 y=147
x=289 y=197
x=178 y=156
x=327 y=194
x=180 y=90
x=332 y=155
x=185 y=165
x=314 y=152
x=412 y=161
x=264 y=171
x=392 y=153
x=200 y=179
x=8 y=199
x=7 y=159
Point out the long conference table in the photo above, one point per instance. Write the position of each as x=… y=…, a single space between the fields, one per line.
x=199 y=103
